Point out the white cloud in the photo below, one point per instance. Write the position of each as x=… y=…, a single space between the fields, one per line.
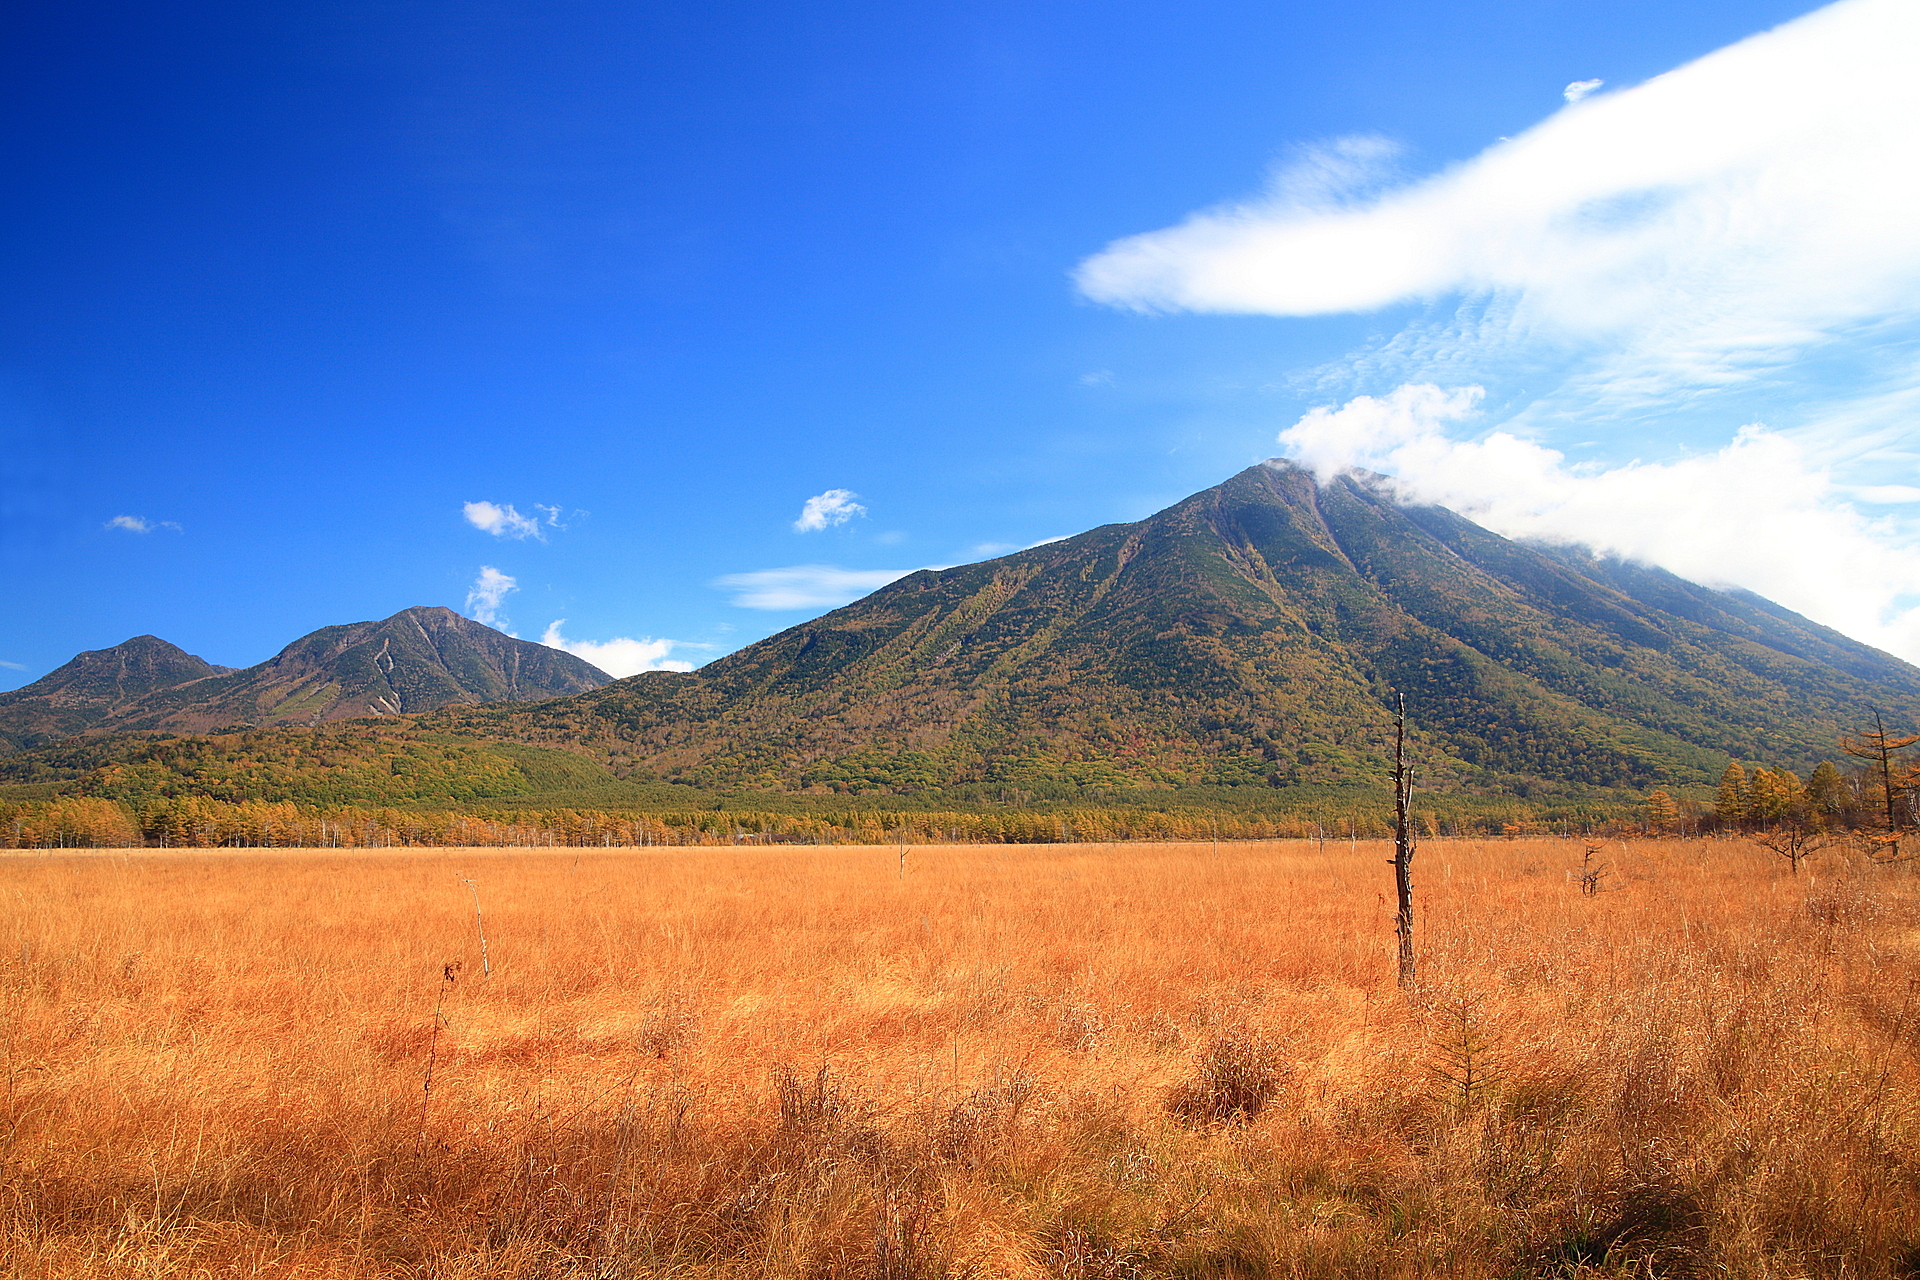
x=1370 y=432
x=485 y=595
x=139 y=524
x=805 y=586
x=503 y=521
x=824 y=510
x=1704 y=226
x=14 y=666
x=1760 y=513
x=621 y=656
x=1580 y=89
x=1731 y=242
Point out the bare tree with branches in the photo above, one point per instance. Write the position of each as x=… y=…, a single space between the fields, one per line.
x=1891 y=778
x=1796 y=842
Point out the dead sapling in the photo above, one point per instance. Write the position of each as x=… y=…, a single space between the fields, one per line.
x=1403 y=848
x=1794 y=843
x=1593 y=874
x=480 y=927
x=448 y=976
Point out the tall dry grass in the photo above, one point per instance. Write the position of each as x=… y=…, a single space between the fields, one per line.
x=1096 y=1062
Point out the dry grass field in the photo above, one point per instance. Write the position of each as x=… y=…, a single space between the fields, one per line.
x=1097 y=1062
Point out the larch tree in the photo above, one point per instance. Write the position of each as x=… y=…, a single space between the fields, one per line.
x=1773 y=796
x=1663 y=811
x=1730 y=801
x=1826 y=793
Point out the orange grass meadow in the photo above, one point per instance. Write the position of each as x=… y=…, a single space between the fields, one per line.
x=1083 y=1061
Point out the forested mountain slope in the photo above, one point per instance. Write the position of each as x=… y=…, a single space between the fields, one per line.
x=1249 y=634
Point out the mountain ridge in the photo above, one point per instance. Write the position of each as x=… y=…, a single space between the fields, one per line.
x=418 y=659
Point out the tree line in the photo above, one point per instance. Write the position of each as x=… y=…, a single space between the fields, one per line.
x=1875 y=798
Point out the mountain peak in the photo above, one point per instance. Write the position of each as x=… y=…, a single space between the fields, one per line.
x=94 y=685
x=437 y=614
x=127 y=669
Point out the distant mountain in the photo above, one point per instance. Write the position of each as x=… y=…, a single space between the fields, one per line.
x=1252 y=633
x=92 y=687
x=417 y=660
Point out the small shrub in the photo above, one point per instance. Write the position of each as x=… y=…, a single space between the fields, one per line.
x=670 y=1024
x=1468 y=1061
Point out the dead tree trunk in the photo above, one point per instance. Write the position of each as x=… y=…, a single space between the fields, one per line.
x=1402 y=841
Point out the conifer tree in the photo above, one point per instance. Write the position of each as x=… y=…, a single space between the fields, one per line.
x=1772 y=795
x=1730 y=801
x=1826 y=794
x=1663 y=811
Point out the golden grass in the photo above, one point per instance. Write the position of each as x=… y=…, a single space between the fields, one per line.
x=1096 y=1062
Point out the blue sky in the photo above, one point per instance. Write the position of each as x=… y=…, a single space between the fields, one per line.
x=566 y=311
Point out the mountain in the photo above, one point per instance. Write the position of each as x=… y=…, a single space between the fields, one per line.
x=417 y=660
x=1251 y=634
x=89 y=689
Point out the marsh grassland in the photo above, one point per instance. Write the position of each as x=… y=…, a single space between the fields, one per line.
x=1096 y=1062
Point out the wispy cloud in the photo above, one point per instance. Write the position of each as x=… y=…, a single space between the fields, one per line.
x=805 y=586
x=622 y=656
x=14 y=666
x=140 y=524
x=1581 y=89
x=486 y=594
x=502 y=520
x=1704 y=226
x=824 y=510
